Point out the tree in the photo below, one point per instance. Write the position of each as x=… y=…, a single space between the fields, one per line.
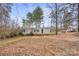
x=54 y=15
x=5 y=9
x=29 y=21
x=56 y=19
x=37 y=16
x=30 y=17
x=67 y=20
x=78 y=17
x=63 y=19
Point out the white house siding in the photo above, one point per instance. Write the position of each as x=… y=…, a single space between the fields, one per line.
x=46 y=31
x=37 y=31
x=27 y=31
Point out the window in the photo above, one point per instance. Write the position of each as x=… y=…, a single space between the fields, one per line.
x=23 y=30
x=34 y=30
x=37 y=30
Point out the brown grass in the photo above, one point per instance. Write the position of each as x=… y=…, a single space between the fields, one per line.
x=62 y=44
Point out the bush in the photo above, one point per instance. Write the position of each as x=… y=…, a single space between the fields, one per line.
x=8 y=33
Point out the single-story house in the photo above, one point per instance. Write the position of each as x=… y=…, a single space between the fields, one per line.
x=45 y=30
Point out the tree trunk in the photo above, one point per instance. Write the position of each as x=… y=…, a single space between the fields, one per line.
x=56 y=19
x=78 y=17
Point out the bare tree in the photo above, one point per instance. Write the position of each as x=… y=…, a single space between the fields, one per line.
x=54 y=15
x=5 y=9
x=56 y=19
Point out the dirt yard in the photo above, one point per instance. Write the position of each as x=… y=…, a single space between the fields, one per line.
x=51 y=45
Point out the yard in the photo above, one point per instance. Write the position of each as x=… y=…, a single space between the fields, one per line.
x=47 y=45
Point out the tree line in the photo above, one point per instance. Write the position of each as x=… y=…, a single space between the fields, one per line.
x=62 y=15
x=7 y=25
